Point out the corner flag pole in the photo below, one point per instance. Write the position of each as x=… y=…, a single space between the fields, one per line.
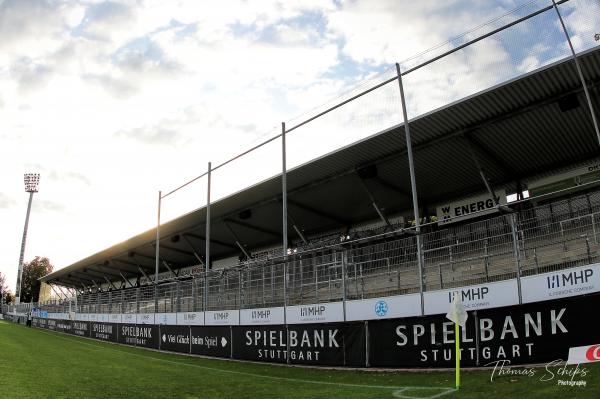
x=459 y=316
x=457 y=354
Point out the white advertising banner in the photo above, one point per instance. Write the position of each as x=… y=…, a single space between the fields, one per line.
x=262 y=316
x=384 y=308
x=103 y=317
x=482 y=296
x=584 y=354
x=128 y=318
x=561 y=284
x=114 y=318
x=467 y=208
x=166 y=318
x=190 y=318
x=222 y=318
x=93 y=317
x=144 y=318
x=318 y=313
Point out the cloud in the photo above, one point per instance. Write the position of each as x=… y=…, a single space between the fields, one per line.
x=108 y=21
x=158 y=135
x=6 y=201
x=30 y=75
x=33 y=28
x=62 y=176
x=119 y=87
x=45 y=206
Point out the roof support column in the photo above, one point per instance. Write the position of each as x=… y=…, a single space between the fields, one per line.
x=164 y=262
x=413 y=186
x=144 y=274
x=61 y=290
x=237 y=240
x=297 y=229
x=56 y=292
x=125 y=281
x=585 y=89
x=157 y=260
x=380 y=213
x=486 y=182
x=189 y=243
x=110 y=283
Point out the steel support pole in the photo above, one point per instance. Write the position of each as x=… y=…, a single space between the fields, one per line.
x=157 y=261
x=207 y=257
x=344 y=264
x=585 y=89
x=413 y=186
x=515 y=238
x=284 y=216
x=22 y=254
x=284 y=228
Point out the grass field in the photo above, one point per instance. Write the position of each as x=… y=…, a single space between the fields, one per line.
x=43 y=364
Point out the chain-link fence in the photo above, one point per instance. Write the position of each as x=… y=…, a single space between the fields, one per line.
x=553 y=236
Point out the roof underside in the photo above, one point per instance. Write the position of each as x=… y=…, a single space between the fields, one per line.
x=516 y=131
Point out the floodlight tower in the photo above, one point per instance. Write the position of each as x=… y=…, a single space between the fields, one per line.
x=32 y=182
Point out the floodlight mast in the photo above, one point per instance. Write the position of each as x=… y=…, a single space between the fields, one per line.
x=32 y=183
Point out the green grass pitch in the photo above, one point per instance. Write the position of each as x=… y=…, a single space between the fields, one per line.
x=42 y=364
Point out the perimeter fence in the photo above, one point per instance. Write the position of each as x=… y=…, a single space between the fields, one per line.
x=555 y=236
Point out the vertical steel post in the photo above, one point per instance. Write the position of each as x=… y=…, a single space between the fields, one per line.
x=413 y=186
x=285 y=236
x=22 y=254
x=207 y=257
x=344 y=263
x=515 y=237
x=157 y=260
x=284 y=215
x=585 y=89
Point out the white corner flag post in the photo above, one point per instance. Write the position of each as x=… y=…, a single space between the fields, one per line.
x=458 y=315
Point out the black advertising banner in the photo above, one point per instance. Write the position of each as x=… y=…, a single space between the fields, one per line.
x=51 y=324
x=81 y=328
x=332 y=344
x=335 y=344
x=63 y=326
x=211 y=341
x=145 y=335
x=104 y=331
x=42 y=323
x=175 y=338
x=522 y=334
x=262 y=343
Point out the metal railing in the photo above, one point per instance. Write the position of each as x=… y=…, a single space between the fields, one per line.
x=549 y=237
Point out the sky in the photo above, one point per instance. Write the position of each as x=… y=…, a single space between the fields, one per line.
x=112 y=101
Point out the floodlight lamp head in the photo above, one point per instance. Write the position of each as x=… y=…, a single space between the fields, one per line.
x=32 y=182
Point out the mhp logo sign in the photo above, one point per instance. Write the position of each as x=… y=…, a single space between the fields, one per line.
x=381 y=308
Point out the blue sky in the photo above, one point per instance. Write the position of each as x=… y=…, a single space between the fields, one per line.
x=112 y=101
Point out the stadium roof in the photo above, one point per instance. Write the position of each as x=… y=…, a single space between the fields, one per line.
x=528 y=127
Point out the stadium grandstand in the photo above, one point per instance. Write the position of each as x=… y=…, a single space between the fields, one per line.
x=494 y=197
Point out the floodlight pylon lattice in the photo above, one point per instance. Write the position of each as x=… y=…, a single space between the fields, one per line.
x=32 y=183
